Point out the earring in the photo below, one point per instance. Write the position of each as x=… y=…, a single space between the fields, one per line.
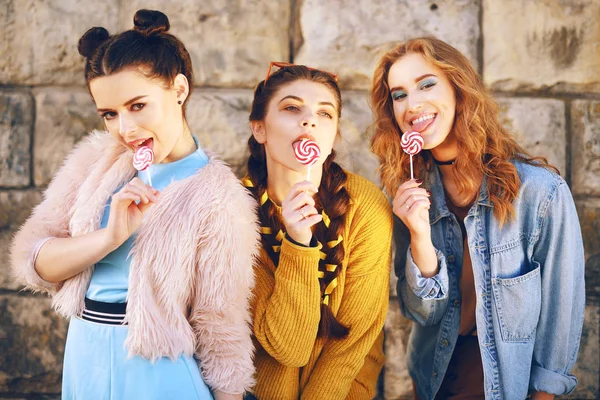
x=179 y=102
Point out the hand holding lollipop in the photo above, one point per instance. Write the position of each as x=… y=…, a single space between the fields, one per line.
x=307 y=153
x=412 y=144
x=142 y=159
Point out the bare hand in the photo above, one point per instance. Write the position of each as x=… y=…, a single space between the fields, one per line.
x=411 y=204
x=299 y=212
x=127 y=208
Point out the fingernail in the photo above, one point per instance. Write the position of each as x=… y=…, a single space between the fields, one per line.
x=428 y=193
x=419 y=181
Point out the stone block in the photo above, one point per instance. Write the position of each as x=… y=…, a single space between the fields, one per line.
x=549 y=45
x=32 y=341
x=348 y=37
x=538 y=125
x=16 y=120
x=219 y=119
x=396 y=380
x=39 y=39
x=15 y=207
x=585 y=147
x=63 y=117
x=231 y=42
x=589 y=218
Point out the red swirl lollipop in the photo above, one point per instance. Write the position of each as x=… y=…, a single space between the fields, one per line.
x=412 y=144
x=142 y=159
x=307 y=153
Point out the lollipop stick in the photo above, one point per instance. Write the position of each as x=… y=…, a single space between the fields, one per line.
x=149 y=177
x=308 y=174
x=411 y=168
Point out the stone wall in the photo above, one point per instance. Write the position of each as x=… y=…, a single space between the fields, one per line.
x=541 y=58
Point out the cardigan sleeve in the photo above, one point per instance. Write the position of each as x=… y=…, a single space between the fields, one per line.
x=287 y=304
x=363 y=307
x=220 y=316
x=50 y=219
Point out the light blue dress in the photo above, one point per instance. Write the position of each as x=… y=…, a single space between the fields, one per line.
x=95 y=362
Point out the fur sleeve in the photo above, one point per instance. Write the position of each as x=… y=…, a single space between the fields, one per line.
x=220 y=311
x=51 y=217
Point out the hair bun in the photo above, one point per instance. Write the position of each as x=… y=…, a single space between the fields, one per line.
x=149 y=22
x=91 y=40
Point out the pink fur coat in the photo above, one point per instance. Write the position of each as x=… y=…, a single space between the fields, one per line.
x=191 y=264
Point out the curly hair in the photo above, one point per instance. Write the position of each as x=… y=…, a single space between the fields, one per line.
x=483 y=144
x=333 y=198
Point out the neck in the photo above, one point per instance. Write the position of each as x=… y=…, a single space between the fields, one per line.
x=184 y=146
x=281 y=179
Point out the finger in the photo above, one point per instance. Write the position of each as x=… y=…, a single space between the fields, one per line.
x=412 y=183
x=417 y=206
x=304 y=186
x=142 y=194
x=299 y=201
x=309 y=221
x=124 y=198
x=147 y=190
x=304 y=212
x=413 y=199
x=404 y=196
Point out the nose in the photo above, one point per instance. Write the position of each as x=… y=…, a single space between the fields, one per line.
x=309 y=120
x=415 y=103
x=126 y=125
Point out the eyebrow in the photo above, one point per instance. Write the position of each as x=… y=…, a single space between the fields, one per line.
x=416 y=80
x=128 y=102
x=321 y=103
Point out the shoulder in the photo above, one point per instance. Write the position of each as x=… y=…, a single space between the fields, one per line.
x=363 y=192
x=538 y=184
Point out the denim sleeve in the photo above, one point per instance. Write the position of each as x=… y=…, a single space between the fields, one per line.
x=422 y=300
x=559 y=251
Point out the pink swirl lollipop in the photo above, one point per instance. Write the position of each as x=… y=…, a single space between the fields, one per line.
x=412 y=144
x=307 y=153
x=142 y=159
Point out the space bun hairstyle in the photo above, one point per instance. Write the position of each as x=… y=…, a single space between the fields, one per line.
x=148 y=46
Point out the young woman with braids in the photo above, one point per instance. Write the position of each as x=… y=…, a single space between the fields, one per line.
x=155 y=279
x=322 y=277
x=489 y=253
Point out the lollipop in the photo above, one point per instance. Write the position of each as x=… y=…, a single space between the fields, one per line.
x=142 y=159
x=307 y=153
x=412 y=144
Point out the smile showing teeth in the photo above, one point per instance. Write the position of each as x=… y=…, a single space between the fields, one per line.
x=423 y=118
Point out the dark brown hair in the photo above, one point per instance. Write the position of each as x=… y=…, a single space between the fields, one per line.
x=148 y=46
x=333 y=197
x=483 y=144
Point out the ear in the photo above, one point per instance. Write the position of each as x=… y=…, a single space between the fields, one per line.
x=258 y=131
x=182 y=87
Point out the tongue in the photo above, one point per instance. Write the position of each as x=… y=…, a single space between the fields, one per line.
x=421 y=126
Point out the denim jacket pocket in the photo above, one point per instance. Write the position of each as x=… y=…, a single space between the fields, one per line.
x=518 y=305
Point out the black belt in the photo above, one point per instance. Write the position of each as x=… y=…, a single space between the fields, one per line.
x=104 y=313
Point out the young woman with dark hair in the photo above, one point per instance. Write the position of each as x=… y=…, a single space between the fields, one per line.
x=489 y=254
x=155 y=278
x=322 y=277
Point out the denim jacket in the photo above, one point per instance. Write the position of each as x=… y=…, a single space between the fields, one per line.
x=529 y=281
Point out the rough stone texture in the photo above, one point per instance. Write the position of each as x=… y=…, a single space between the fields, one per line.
x=231 y=42
x=353 y=149
x=219 y=119
x=62 y=118
x=397 y=382
x=16 y=119
x=32 y=339
x=547 y=45
x=348 y=37
x=15 y=207
x=538 y=126
x=585 y=147
x=588 y=360
x=39 y=38
x=589 y=218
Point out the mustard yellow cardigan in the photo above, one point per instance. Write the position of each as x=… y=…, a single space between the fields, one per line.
x=291 y=362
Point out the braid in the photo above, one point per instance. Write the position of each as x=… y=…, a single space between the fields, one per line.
x=334 y=199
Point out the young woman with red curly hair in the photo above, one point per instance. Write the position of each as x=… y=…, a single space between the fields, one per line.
x=322 y=277
x=489 y=253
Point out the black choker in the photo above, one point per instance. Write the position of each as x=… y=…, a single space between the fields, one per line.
x=449 y=162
